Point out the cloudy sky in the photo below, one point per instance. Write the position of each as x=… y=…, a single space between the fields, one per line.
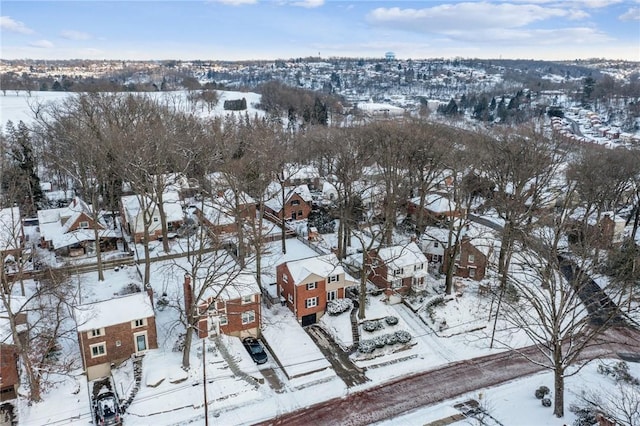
x=269 y=29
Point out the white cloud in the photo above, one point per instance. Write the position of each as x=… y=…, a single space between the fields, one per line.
x=74 y=35
x=577 y=14
x=465 y=16
x=43 y=44
x=8 y=24
x=309 y=4
x=235 y=2
x=633 y=14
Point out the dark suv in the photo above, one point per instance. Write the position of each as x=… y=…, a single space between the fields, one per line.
x=255 y=349
x=107 y=410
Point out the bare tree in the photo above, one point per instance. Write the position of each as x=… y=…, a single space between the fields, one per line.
x=555 y=302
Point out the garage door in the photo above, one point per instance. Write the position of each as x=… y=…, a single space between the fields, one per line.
x=308 y=319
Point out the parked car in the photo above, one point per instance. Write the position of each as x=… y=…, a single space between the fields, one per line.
x=107 y=410
x=255 y=349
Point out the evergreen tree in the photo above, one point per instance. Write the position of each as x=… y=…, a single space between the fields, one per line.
x=19 y=178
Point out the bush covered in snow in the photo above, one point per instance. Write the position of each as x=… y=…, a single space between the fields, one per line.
x=338 y=306
x=402 y=336
x=372 y=325
x=541 y=392
x=366 y=346
x=546 y=402
x=619 y=372
x=391 y=320
x=390 y=339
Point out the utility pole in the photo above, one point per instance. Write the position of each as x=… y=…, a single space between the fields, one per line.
x=204 y=381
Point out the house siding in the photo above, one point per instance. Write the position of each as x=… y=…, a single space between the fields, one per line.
x=233 y=310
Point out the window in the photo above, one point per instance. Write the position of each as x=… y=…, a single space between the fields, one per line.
x=332 y=295
x=290 y=298
x=223 y=320
x=155 y=219
x=99 y=349
x=311 y=302
x=285 y=278
x=84 y=224
x=139 y=323
x=435 y=244
x=398 y=272
x=417 y=267
x=118 y=343
x=458 y=256
x=396 y=283
x=96 y=333
x=299 y=213
x=295 y=202
x=472 y=272
x=312 y=286
x=248 y=317
x=247 y=299
x=471 y=258
x=333 y=279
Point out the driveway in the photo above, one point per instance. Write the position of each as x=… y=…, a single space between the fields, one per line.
x=350 y=374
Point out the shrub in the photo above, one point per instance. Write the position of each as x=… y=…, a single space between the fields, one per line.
x=391 y=320
x=402 y=336
x=390 y=339
x=366 y=346
x=542 y=391
x=546 y=402
x=338 y=306
x=380 y=341
x=372 y=325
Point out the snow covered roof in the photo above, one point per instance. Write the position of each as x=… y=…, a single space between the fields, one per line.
x=293 y=171
x=171 y=203
x=10 y=228
x=322 y=266
x=436 y=202
x=230 y=286
x=400 y=256
x=274 y=196
x=114 y=311
x=81 y=235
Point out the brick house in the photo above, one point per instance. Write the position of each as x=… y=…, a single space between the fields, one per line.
x=297 y=202
x=113 y=330
x=398 y=268
x=9 y=356
x=470 y=262
x=306 y=285
x=221 y=214
x=602 y=233
x=133 y=215
x=438 y=208
x=233 y=307
x=70 y=231
x=9 y=374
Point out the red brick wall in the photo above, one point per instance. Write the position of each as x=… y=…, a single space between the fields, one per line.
x=84 y=218
x=233 y=310
x=302 y=294
x=122 y=332
x=303 y=206
x=479 y=261
x=9 y=365
x=287 y=287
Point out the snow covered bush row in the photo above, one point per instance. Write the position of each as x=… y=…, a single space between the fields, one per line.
x=368 y=346
x=338 y=306
x=373 y=325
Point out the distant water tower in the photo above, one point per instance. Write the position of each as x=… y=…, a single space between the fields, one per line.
x=390 y=56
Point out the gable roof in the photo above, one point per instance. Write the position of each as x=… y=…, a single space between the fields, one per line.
x=397 y=257
x=118 y=310
x=274 y=195
x=322 y=266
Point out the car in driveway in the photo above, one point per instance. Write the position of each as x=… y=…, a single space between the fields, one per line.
x=107 y=410
x=255 y=349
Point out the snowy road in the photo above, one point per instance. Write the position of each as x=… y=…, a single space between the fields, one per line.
x=392 y=399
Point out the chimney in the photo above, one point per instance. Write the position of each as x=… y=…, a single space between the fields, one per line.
x=188 y=294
